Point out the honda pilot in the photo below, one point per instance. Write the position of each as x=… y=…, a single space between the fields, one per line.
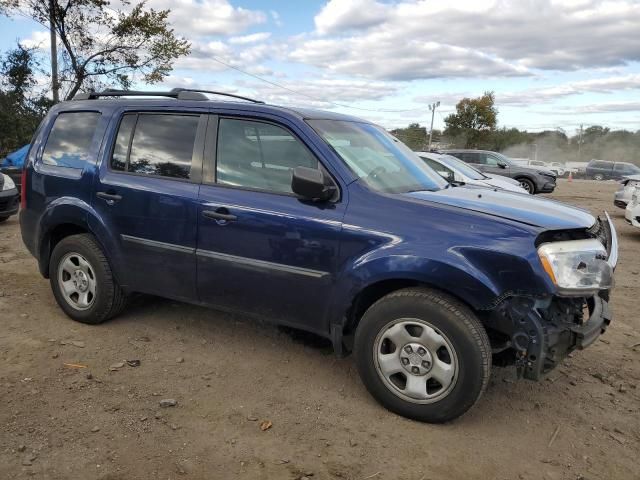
x=318 y=221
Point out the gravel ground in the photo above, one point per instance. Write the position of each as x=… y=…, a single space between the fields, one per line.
x=70 y=408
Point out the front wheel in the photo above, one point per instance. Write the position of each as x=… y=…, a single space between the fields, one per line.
x=3 y=219
x=82 y=281
x=598 y=176
x=528 y=185
x=423 y=355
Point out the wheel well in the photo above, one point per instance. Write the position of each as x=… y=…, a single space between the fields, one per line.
x=374 y=292
x=526 y=177
x=370 y=295
x=52 y=238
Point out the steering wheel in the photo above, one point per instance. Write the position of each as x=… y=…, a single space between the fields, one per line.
x=376 y=171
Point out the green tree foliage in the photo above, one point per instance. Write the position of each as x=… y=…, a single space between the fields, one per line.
x=104 y=43
x=474 y=121
x=414 y=136
x=22 y=107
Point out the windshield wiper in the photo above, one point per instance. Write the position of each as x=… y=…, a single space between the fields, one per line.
x=455 y=183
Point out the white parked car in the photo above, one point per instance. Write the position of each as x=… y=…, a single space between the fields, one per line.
x=455 y=170
x=628 y=185
x=632 y=213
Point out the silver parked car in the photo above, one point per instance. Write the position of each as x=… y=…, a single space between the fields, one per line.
x=454 y=169
x=623 y=196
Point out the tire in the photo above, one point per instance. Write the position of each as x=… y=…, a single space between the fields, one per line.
x=527 y=184
x=598 y=176
x=435 y=316
x=3 y=219
x=79 y=258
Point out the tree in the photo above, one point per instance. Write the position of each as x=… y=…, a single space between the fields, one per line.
x=414 y=136
x=22 y=106
x=474 y=120
x=103 y=45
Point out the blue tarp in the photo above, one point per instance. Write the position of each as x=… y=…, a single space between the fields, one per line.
x=15 y=159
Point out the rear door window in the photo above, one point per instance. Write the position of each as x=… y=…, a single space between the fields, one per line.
x=70 y=140
x=156 y=144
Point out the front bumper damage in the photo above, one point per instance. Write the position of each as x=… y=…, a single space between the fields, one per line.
x=544 y=332
x=538 y=333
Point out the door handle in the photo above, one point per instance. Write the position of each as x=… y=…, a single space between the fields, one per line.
x=219 y=214
x=110 y=198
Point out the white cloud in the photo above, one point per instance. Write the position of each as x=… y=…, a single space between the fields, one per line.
x=549 y=94
x=535 y=96
x=208 y=17
x=611 y=107
x=38 y=39
x=341 y=15
x=321 y=92
x=413 y=39
x=377 y=56
x=253 y=38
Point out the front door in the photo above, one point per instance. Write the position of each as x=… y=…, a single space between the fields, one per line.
x=147 y=192
x=260 y=249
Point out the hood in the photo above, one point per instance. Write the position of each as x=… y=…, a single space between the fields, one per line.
x=505 y=183
x=627 y=178
x=529 y=169
x=527 y=209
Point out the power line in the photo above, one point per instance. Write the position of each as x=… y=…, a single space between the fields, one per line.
x=311 y=97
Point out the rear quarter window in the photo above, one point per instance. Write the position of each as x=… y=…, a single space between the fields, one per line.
x=70 y=140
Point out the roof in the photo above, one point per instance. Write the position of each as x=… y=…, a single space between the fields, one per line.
x=198 y=98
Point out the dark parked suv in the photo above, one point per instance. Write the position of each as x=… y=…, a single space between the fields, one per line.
x=533 y=180
x=317 y=221
x=605 y=170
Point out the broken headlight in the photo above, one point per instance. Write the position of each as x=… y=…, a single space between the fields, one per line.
x=577 y=267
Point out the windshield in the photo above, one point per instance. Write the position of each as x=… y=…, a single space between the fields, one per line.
x=464 y=168
x=377 y=158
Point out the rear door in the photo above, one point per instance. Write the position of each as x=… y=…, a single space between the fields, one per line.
x=147 y=192
x=261 y=250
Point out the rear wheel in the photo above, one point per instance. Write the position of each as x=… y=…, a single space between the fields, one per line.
x=528 y=185
x=82 y=280
x=598 y=176
x=3 y=219
x=423 y=355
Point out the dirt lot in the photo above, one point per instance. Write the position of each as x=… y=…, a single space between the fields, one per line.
x=228 y=375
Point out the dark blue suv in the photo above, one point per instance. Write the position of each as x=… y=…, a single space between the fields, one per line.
x=317 y=221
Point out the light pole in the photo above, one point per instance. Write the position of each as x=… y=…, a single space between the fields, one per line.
x=432 y=107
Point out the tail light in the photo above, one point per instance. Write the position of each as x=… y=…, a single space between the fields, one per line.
x=23 y=188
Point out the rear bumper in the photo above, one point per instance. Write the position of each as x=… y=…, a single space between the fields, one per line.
x=9 y=202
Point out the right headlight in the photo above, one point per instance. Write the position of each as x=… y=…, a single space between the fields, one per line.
x=577 y=267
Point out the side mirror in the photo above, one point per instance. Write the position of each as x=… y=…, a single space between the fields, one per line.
x=311 y=184
x=502 y=164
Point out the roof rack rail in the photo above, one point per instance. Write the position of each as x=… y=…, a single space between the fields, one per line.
x=178 y=93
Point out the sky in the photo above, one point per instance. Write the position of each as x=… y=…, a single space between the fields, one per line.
x=551 y=63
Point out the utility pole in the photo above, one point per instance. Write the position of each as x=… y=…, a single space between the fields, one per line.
x=55 y=86
x=432 y=107
x=580 y=142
